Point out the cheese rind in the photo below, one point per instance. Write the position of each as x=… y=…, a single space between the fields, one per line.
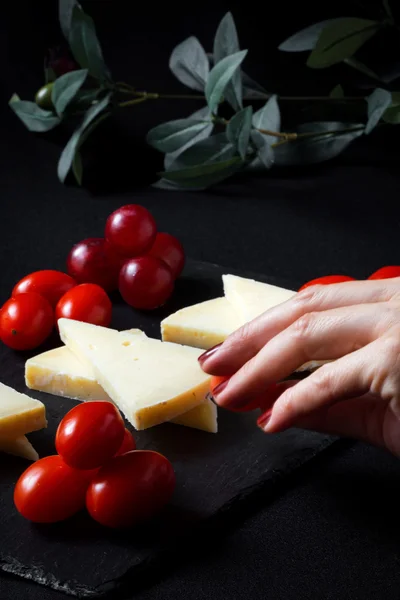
x=150 y=381
x=250 y=298
x=202 y=417
x=61 y=373
x=21 y=446
x=19 y=414
x=202 y=325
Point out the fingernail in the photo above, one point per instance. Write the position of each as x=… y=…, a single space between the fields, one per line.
x=220 y=388
x=206 y=355
x=263 y=421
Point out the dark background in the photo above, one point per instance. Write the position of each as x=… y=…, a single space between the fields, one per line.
x=332 y=531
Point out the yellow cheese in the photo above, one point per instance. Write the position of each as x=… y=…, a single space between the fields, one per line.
x=61 y=373
x=19 y=414
x=21 y=446
x=251 y=298
x=149 y=380
x=202 y=417
x=202 y=325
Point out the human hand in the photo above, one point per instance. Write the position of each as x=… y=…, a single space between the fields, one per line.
x=354 y=324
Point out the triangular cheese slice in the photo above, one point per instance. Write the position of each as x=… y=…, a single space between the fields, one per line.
x=19 y=447
x=61 y=373
x=19 y=414
x=149 y=380
x=251 y=298
x=202 y=325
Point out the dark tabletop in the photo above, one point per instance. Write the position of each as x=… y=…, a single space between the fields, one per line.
x=332 y=529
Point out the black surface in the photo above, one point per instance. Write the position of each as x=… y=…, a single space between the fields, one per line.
x=214 y=474
x=332 y=531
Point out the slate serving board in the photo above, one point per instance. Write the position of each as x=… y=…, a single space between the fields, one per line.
x=214 y=474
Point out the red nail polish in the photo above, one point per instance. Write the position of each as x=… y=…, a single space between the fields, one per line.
x=264 y=419
x=220 y=388
x=208 y=353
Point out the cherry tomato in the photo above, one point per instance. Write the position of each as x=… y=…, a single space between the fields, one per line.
x=145 y=282
x=169 y=249
x=131 y=230
x=90 y=434
x=50 y=284
x=386 y=273
x=94 y=261
x=130 y=488
x=50 y=491
x=26 y=321
x=262 y=402
x=86 y=302
x=128 y=443
x=327 y=280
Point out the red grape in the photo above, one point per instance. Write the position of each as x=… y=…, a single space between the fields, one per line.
x=131 y=230
x=94 y=261
x=146 y=282
x=170 y=250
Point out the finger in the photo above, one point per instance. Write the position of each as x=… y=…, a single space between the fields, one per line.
x=372 y=369
x=244 y=343
x=315 y=336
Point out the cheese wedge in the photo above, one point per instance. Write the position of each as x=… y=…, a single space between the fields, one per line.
x=19 y=414
x=61 y=373
x=149 y=380
x=21 y=446
x=202 y=325
x=251 y=298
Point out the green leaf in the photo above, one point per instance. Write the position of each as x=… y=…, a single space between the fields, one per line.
x=65 y=89
x=268 y=118
x=204 y=115
x=337 y=92
x=85 y=46
x=49 y=75
x=307 y=38
x=378 y=102
x=359 y=66
x=341 y=40
x=264 y=150
x=77 y=167
x=219 y=77
x=320 y=148
x=209 y=150
x=189 y=64
x=392 y=115
x=33 y=117
x=170 y=136
x=253 y=90
x=90 y=119
x=226 y=42
x=388 y=9
x=65 y=10
x=238 y=130
x=205 y=175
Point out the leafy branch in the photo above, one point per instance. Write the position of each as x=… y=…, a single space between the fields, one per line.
x=205 y=148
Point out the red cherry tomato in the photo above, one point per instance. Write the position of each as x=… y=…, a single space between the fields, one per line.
x=90 y=434
x=86 y=302
x=262 y=402
x=327 y=280
x=169 y=249
x=130 y=488
x=386 y=273
x=128 y=443
x=50 y=491
x=145 y=282
x=94 y=261
x=50 y=284
x=26 y=321
x=131 y=230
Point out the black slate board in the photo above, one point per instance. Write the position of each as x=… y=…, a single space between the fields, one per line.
x=214 y=474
